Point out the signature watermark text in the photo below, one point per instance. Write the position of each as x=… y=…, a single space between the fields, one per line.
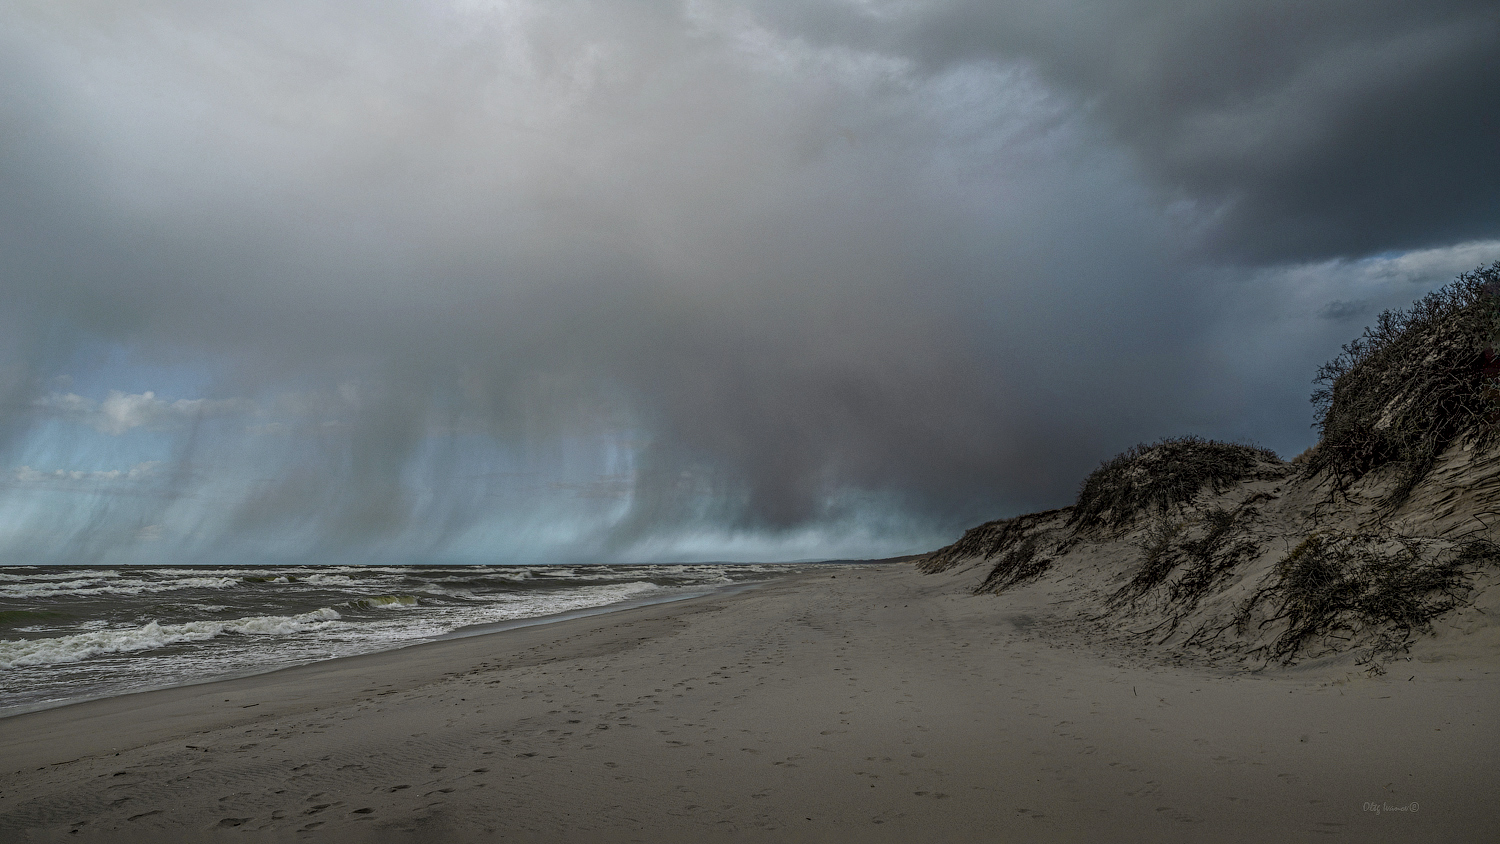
x=1382 y=808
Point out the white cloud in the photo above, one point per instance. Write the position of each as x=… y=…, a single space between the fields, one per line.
x=120 y=412
x=1348 y=290
x=140 y=471
x=150 y=533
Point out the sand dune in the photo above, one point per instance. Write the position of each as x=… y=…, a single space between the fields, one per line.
x=870 y=704
x=1216 y=576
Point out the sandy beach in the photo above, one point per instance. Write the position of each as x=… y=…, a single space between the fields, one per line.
x=861 y=704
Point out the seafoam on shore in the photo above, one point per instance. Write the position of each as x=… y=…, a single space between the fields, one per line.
x=68 y=633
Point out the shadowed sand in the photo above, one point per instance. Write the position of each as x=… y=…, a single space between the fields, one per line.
x=865 y=704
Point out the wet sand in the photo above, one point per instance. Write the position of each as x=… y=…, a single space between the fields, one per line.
x=862 y=704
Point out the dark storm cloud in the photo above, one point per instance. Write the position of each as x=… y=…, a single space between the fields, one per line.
x=1308 y=129
x=1339 y=309
x=815 y=268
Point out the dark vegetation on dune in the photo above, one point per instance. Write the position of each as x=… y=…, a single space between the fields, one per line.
x=985 y=542
x=1204 y=552
x=1157 y=477
x=1416 y=383
x=1379 y=588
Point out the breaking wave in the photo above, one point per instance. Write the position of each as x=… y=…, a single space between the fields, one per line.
x=92 y=586
x=81 y=646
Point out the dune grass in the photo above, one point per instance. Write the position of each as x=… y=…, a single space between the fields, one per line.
x=1154 y=478
x=1020 y=563
x=1414 y=383
x=1379 y=589
x=985 y=542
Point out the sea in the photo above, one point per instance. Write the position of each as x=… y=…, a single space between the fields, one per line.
x=75 y=633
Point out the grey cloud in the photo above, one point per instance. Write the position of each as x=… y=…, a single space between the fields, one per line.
x=1340 y=309
x=819 y=268
x=1305 y=130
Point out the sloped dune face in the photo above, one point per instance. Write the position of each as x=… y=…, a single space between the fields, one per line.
x=1385 y=532
x=1460 y=495
x=1280 y=568
x=981 y=544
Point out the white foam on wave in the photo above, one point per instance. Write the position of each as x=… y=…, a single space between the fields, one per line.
x=82 y=646
x=329 y=580
x=301 y=573
x=69 y=574
x=449 y=592
x=525 y=604
x=384 y=602
x=367 y=569
x=440 y=620
x=91 y=586
x=204 y=572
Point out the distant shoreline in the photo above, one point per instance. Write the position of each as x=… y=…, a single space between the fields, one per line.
x=481 y=629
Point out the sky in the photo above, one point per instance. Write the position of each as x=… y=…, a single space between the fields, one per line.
x=503 y=281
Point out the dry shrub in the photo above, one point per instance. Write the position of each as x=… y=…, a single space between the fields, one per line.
x=1159 y=555
x=1155 y=478
x=984 y=542
x=1212 y=556
x=1381 y=589
x=1416 y=382
x=1019 y=564
x=1210 y=549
